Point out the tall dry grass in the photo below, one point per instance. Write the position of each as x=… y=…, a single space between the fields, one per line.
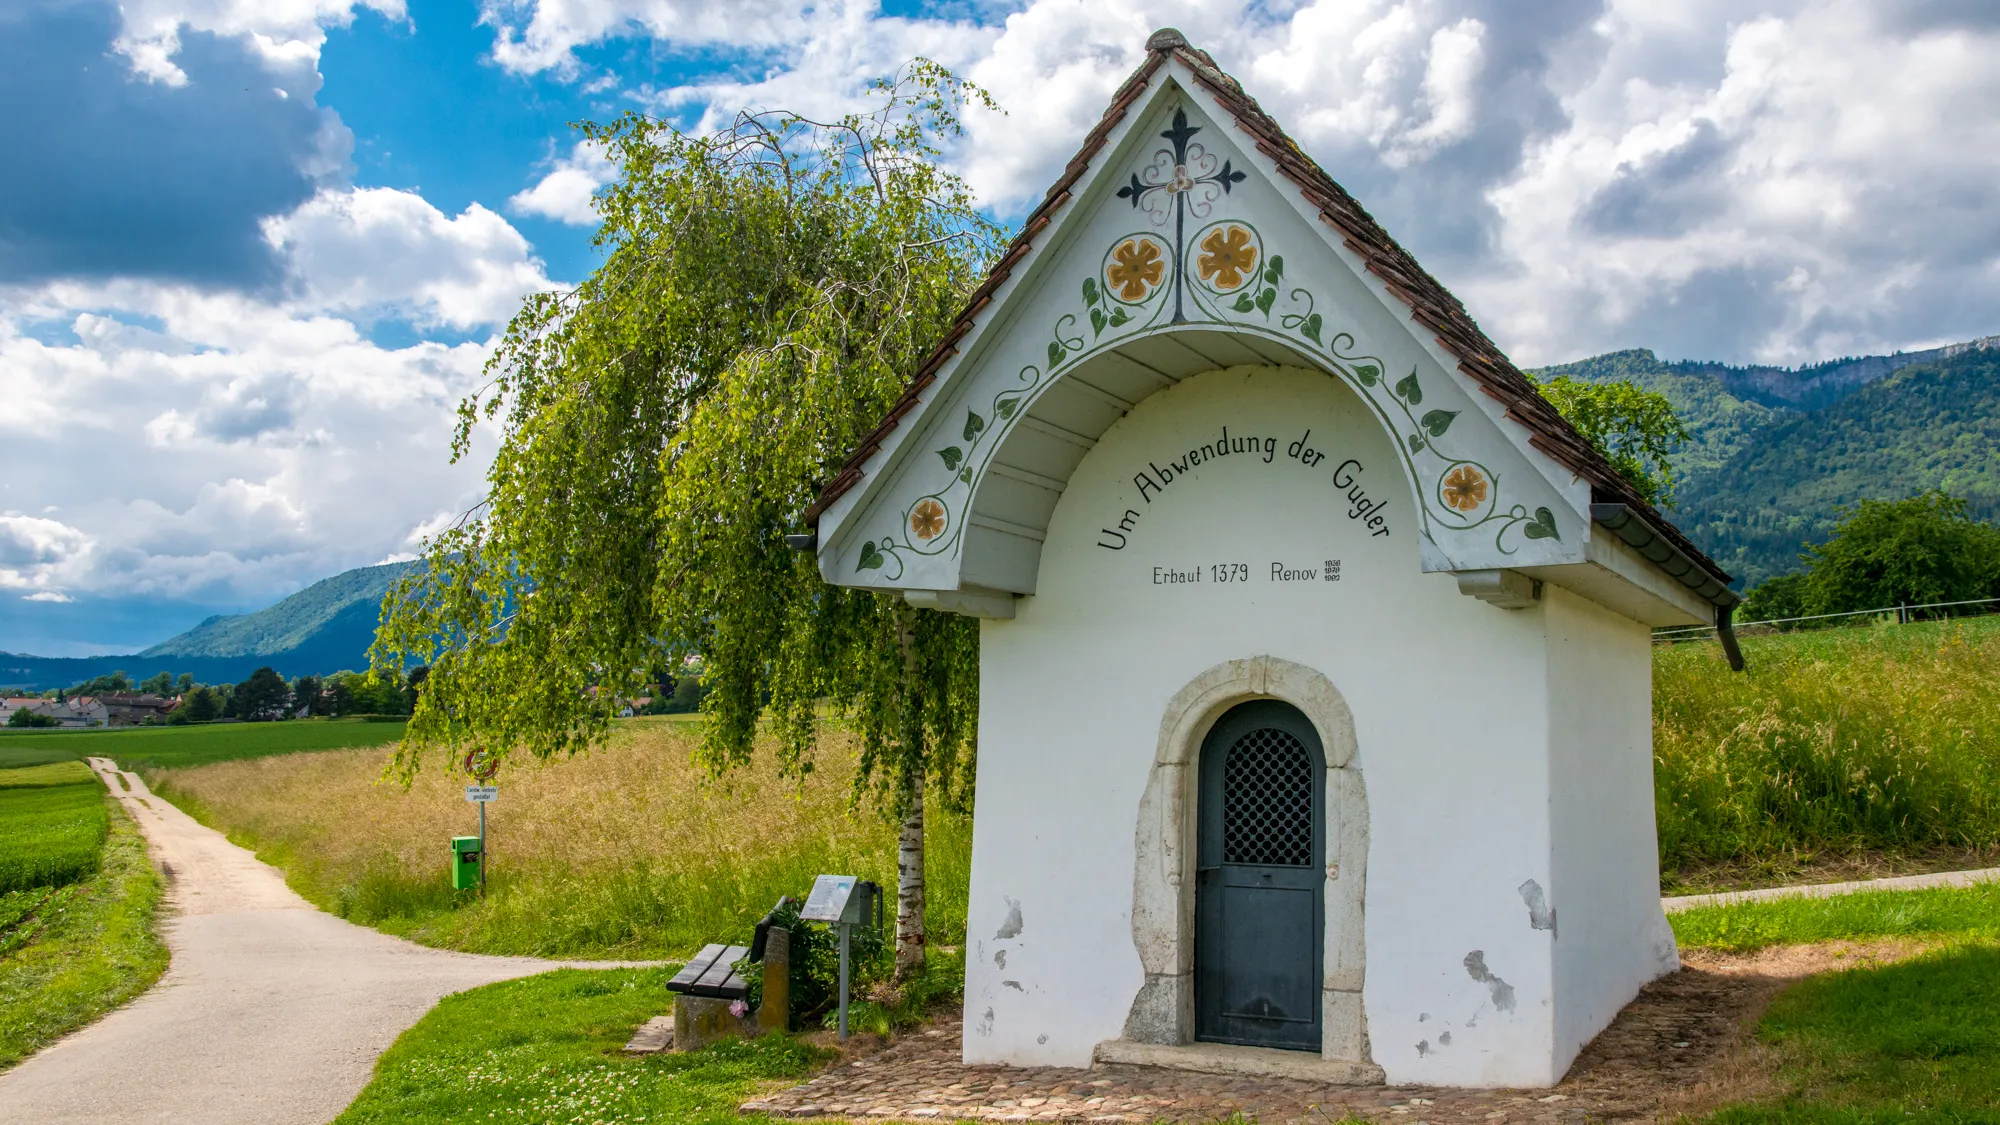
x=626 y=852
x=1874 y=739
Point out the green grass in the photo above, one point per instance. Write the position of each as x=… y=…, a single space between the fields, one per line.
x=628 y=852
x=52 y=826
x=47 y=775
x=1938 y=912
x=14 y=756
x=1914 y=1041
x=1867 y=740
x=546 y=1050
x=70 y=954
x=168 y=747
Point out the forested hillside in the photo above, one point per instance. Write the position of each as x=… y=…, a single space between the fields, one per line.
x=1776 y=453
x=335 y=613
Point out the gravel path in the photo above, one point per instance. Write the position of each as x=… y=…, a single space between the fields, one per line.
x=272 y=1012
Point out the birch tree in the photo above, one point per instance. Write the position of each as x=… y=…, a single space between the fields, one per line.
x=767 y=289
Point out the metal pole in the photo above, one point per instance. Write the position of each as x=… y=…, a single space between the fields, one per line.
x=843 y=980
x=482 y=849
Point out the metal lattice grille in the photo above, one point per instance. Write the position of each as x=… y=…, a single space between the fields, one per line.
x=1267 y=797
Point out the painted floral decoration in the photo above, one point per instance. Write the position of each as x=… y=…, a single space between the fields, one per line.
x=927 y=519
x=1226 y=256
x=1137 y=265
x=1465 y=488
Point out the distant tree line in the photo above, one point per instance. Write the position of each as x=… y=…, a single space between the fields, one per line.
x=265 y=696
x=1884 y=554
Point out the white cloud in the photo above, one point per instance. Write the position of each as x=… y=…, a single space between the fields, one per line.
x=567 y=193
x=285 y=33
x=370 y=249
x=216 y=447
x=1823 y=189
x=37 y=554
x=1784 y=182
x=539 y=35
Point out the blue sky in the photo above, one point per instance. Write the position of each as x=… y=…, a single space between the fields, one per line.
x=252 y=252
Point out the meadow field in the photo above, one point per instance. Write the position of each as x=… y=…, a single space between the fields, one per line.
x=1839 y=753
x=630 y=851
x=168 y=747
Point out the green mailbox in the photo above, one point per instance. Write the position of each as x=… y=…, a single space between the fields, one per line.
x=464 y=863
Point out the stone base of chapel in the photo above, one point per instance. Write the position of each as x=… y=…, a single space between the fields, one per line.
x=1224 y=1058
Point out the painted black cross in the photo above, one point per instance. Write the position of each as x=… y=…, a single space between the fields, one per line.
x=1179 y=186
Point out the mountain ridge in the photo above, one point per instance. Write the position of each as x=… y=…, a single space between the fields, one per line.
x=326 y=627
x=290 y=622
x=1776 y=453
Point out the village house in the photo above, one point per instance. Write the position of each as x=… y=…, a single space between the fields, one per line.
x=1315 y=702
x=127 y=709
x=76 y=711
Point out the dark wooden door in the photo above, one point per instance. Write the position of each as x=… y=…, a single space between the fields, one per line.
x=1259 y=892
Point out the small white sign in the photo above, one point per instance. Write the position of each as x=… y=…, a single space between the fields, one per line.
x=828 y=898
x=481 y=794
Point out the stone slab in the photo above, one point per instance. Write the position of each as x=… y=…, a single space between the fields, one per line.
x=1224 y=1058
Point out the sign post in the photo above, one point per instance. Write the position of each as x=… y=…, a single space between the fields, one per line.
x=482 y=795
x=845 y=902
x=482 y=766
x=828 y=903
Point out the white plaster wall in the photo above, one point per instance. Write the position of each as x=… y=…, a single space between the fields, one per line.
x=1451 y=716
x=1609 y=934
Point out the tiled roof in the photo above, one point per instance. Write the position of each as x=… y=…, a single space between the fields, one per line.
x=1430 y=304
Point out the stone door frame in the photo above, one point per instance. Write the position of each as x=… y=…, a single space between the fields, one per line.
x=1164 y=881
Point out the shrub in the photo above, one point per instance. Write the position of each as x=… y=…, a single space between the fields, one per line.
x=814 y=978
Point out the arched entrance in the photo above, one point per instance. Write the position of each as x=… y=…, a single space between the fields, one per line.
x=1260 y=878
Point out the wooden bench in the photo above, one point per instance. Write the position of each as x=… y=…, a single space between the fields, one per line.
x=712 y=973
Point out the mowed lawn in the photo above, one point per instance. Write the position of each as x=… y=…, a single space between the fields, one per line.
x=1911 y=1041
x=172 y=747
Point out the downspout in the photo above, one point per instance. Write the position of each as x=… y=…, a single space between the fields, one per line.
x=1725 y=631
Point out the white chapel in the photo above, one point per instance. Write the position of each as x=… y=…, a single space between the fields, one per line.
x=1316 y=690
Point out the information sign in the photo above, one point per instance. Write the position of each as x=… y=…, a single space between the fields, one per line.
x=481 y=794
x=828 y=900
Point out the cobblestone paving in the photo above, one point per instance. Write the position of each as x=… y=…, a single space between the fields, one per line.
x=1661 y=1047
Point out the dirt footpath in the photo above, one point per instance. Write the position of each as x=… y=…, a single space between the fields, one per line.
x=271 y=1012
x=1682 y=1047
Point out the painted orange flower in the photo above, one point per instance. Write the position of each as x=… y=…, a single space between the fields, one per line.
x=1226 y=257
x=927 y=519
x=1465 y=488
x=1137 y=265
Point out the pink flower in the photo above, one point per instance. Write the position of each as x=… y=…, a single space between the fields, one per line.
x=738 y=1008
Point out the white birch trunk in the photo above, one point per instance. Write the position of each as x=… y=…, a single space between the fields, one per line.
x=910 y=848
x=910 y=892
